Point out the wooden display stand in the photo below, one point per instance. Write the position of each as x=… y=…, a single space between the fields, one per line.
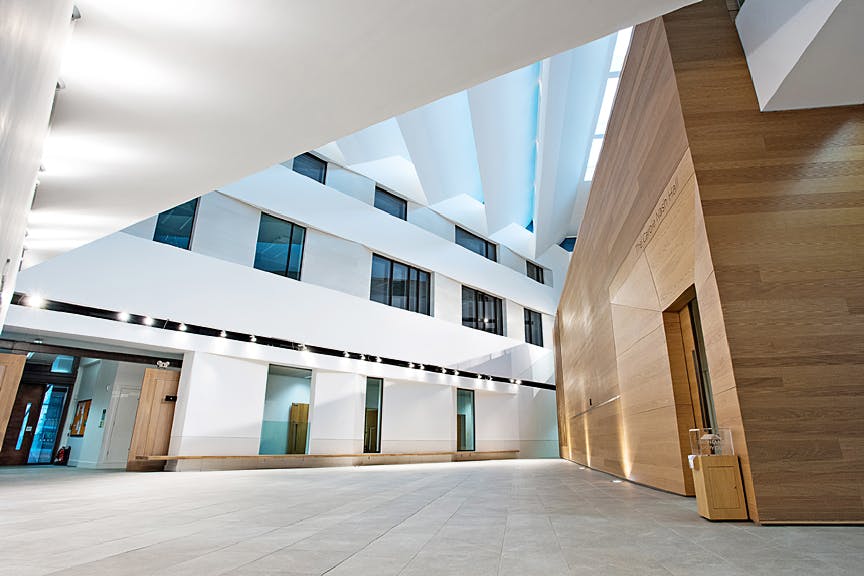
x=719 y=490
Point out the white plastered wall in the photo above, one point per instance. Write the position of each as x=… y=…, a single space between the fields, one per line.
x=336 y=413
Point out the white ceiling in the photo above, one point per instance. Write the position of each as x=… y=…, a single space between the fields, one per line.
x=166 y=100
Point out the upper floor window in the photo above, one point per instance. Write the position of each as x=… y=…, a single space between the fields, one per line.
x=482 y=311
x=476 y=244
x=391 y=204
x=280 y=247
x=311 y=166
x=400 y=285
x=535 y=272
x=533 y=327
x=174 y=226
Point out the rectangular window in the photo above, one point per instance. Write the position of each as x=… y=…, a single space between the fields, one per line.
x=482 y=311
x=174 y=226
x=280 y=247
x=311 y=166
x=533 y=327
x=568 y=243
x=400 y=285
x=285 y=422
x=535 y=272
x=372 y=424
x=391 y=204
x=464 y=420
x=476 y=244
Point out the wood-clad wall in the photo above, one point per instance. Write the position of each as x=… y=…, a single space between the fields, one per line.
x=641 y=247
x=783 y=201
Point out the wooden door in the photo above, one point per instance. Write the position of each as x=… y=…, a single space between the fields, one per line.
x=11 y=369
x=298 y=426
x=22 y=425
x=153 y=420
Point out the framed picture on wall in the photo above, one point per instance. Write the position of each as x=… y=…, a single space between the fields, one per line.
x=79 y=422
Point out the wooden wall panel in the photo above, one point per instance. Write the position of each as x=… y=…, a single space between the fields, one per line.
x=783 y=200
x=642 y=245
x=11 y=369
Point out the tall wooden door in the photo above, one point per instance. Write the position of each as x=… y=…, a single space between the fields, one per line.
x=298 y=426
x=11 y=369
x=22 y=425
x=153 y=420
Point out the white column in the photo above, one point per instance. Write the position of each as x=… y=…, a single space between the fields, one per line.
x=336 y=413
x=220 y=406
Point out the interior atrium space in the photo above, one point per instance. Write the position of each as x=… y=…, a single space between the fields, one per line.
x=404 y=288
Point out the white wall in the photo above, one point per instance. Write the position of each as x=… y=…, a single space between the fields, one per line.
x=337 y=413
x=221 y=294
x=145 y=229
x=548 y=331
x=496 y=425
x=447 y=299
x=226 y=229
x=507 y=257
x=220 y=405
x=351 y=183
x=32 y=38
x=336 y=263
x=94 y=383
x=514 y=319
x=538 y=432
x=417 y=417
x=303 y=200
x=431 y=221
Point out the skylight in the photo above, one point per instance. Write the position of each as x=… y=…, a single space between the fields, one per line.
x=619 y=54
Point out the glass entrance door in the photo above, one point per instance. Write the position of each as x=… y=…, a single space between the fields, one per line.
x=48 y=424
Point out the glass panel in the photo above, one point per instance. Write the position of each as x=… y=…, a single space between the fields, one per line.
x=535 y=272
x=380 y=290
x=423 y=293
x=391 y=204
x=470 y=241
x=45 y=436
x=568 y=243
x=533 y=328
x=412 y=290
x=295 y=256
x=372 y=422
x=174 y=226
x=491 y=252
x=399 y=286
x=464 y=420
x=469 y=307
x=285 y=424
x=311 y=166
x=274 y=238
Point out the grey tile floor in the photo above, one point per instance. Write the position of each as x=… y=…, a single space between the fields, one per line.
x=519 y=517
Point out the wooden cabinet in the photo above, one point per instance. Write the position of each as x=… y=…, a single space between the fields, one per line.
x=719 y=491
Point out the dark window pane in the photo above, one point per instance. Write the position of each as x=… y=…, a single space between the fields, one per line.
x=380 y=291
x=412 y=289
x=535 y=272
x=464 y=419
x=174 y=226
x=295 y=256
x=482 y=311
x=391 y=204
x=533 y=327
x=568 y=243
x=274 y=239
x=470 y=241
x=372 y=421
x=280 y=247
x=399 y=287
x=469 y=310
x=476 y=244
x=423 y=287
x=311 y=166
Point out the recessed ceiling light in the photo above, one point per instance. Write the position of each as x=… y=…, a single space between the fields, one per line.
x=616 y=481
x=377 y=359
x=252 y=338
x=123 y=316
x=346 y=354
x=223 y=334
x=182 y=327
x=35 y=301
x=147 y=321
